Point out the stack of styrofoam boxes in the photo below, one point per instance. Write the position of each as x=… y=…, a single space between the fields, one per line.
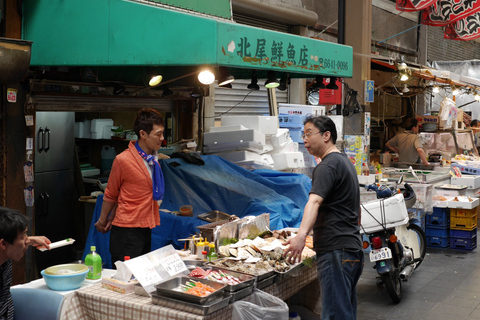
x=241 y=140
x=82 y=129
x=463 y=215
x=101 y=129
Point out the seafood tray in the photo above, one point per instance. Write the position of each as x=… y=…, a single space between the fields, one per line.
x=169 y=289
x=258 y=273
x=200 y=309
x=266 y=282
x=214 y=216
x=247 y=280
x=292 y=272
x=240 y=294
x=192 y=264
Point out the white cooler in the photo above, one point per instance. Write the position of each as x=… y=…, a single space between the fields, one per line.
x=393 y=208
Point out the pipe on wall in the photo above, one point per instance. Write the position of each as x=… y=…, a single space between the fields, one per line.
x=279 y=12
x=341 y=21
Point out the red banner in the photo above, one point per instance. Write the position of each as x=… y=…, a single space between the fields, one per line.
x=413 y=5
x=444 y=12
x=464 y=29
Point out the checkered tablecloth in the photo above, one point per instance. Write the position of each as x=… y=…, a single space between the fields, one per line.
x=95 y=302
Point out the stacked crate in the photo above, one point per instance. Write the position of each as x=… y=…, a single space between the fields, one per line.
x=438 y=228
x=463 y=228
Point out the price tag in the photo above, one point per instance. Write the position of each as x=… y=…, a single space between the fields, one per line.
x=144 y=272
x=173 y=264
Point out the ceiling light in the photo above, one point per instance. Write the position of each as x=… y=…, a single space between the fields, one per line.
x=253 y=84
x=155 y=80
x=225 y=77
x=436 y=89
x=227 y=86
x=319 y=83
x=271 y=81
x=455 y=91
x=332 y=85
x=403 y=76
x=402 y=65
x=284 y=82
x=206 y=77
x=476 y=96
x=196 y=93
x=405 y=88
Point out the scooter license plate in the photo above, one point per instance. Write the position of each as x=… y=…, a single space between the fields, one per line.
x=380 y=254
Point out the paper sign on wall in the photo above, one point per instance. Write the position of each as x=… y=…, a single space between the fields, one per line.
x=12 y=95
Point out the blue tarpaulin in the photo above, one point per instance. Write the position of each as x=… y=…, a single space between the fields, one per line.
x=218 y=185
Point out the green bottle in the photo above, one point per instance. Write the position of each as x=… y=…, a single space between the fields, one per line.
x=94 y=263
x=212 y=255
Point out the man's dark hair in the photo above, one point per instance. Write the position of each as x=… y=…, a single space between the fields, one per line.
x=474 y=123
x=12 y=223
x=324 y=124
x=145 y=120
x=410 y=123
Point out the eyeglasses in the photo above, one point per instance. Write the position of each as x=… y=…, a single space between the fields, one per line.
x=308 y=135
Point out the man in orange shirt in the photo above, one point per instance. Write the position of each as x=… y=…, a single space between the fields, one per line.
x=135 y=187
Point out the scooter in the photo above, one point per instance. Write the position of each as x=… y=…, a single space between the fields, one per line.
x=398 y=246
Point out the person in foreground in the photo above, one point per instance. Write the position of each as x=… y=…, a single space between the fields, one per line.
x=333 y=211
x=13 y=245
x=408 y=144
x=130 y=207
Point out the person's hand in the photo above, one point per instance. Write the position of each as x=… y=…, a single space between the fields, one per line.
x=40 y=241
x=104 y=226
x=293 y=253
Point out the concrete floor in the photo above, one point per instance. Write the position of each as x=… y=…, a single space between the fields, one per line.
x=446 y=286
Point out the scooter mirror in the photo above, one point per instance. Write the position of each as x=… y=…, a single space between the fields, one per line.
x=400 y=180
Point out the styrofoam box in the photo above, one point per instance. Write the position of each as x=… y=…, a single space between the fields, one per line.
x=393 y=208
x=98 y=124
x=264 y=124
x=290 y=160
x=228 y=128
x=338 y=120
x=300 y=109
x=366 y=179
x=236 y=146
x=366 y=196
x=211 y=138
x=79 y=129
x=424 y=195
x=87 y=125
x=291 y=120
x=473 y=193
x=472 y=182
x=449 y=192
x=463 y=204
x=278 y=139
x=240 y=156
x=288 y=146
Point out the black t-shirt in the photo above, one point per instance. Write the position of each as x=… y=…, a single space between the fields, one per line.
x=337 y=225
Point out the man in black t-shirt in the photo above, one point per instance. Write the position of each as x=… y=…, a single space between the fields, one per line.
x=333 y=212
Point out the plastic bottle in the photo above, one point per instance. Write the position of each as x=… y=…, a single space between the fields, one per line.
x=212 y=255
x=200 y=246
x=204 y=255
x=126 y=258
x=293 y=316
x=94 y=263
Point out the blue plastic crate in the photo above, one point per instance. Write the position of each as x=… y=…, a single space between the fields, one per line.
x=467 y=169
x=440 y=217
x=438 y=242
x=465 y=234
x=463 y=244
x=437 y=232
x=296 y=135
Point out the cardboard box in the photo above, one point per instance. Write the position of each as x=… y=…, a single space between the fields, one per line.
x=427 y=119
x=119 y=286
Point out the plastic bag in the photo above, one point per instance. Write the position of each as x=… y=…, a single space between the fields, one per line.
x=260 y=306
x=448 y=112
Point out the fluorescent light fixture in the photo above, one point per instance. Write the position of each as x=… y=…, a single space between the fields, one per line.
x=225 y=77
x=155 y=81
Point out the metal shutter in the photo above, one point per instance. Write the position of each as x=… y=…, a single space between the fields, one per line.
x=242 y=101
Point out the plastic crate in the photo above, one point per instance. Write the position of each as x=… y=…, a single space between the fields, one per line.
x=463 y=244
x=438 y=242
x=440 y=217
x=468 y=213
x=437 y=232
x=463 y=223
x=465 y=234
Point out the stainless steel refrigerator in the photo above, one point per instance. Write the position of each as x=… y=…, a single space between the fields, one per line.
x=54 y=184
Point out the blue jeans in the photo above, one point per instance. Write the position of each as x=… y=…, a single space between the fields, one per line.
x=338 y=272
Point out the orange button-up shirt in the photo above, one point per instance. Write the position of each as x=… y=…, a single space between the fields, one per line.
x=130 y=184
